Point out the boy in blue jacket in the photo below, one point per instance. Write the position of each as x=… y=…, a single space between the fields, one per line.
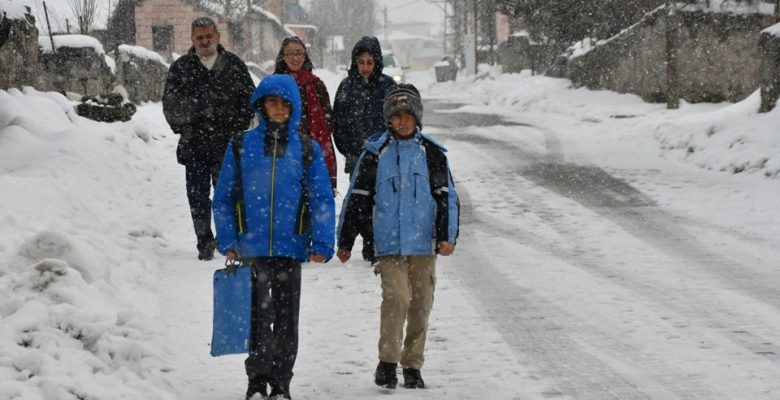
x=402 y=185
x=278 y=180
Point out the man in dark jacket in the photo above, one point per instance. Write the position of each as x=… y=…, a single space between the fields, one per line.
x=206 y=99
x=358 y=111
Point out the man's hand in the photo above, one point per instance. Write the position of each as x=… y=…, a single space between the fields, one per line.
x=318 y=258
x=343 y=255
x=445 y=248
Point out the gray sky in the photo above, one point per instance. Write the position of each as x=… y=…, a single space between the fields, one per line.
x=409 y=11
x=413 y=10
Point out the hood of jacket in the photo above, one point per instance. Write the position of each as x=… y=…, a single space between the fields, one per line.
x=367 y=44
x=284 y=86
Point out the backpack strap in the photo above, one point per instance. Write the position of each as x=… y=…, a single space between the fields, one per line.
x=240 y=210
x=303 y=221
x=439 y=177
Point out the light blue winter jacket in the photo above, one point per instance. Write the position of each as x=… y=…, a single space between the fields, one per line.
x=272 y=189
x=405 y=210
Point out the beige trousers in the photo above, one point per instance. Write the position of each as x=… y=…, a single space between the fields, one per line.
x=407 y=297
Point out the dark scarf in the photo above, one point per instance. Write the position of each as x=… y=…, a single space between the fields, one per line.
x=275 y=132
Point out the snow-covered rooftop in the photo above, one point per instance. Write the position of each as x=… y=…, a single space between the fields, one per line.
x=729 y=7
x=73 y=41
x=13 y=9
x=142 y=52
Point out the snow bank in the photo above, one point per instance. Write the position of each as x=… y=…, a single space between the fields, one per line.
x=79 y=314
x=734 y=138
x=726 y=137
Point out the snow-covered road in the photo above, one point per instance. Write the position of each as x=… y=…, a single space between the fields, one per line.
x=606 y=252
x=600 y=288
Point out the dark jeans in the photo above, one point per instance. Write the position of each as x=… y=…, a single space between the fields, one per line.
x=200 y=178
x=277 y=299
x=367 y=232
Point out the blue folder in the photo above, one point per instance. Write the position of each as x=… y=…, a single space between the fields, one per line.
x=232 y=327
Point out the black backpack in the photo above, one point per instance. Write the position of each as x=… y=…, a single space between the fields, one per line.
x=303 y=222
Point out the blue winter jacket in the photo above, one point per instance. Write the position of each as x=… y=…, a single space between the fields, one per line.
x=405 y=188
x=272 y=179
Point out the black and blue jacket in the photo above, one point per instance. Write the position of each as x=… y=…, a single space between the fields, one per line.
x=404 y=188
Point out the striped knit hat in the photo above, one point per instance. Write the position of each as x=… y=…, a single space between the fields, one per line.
x=405 y=97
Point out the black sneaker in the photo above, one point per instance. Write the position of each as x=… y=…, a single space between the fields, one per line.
x=385 y=375
x=257 y=387
x=279 y=391
x=413 y=379
x=368 y=254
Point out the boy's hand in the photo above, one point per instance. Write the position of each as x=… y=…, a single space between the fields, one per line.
x=445 y=248
x=343 y=255
x=232 y=255
x=318 y=258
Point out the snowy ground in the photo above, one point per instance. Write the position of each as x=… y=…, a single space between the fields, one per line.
x=608 y=250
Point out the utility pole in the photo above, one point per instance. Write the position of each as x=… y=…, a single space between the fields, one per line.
x=387 y=38
x=672 y=73
x=476 y=37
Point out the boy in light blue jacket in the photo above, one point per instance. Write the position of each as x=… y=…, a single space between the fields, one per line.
x=274 y=208
x=402 y=185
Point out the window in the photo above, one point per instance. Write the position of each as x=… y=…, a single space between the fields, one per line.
x=162 y=37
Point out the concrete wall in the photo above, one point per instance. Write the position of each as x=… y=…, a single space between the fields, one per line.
x=518 y=53
x=719 y=57
x=177 y=13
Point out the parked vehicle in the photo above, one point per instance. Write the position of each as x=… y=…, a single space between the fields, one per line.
x=392 y=67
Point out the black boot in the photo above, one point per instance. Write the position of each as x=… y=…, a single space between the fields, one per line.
x=206 y=250
x=385 y=375
x=413 y=379
x=280 y=390
x=368 y=254
x=206 y=242
x=257 y=386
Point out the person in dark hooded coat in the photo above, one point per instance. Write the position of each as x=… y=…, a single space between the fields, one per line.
x=358 y=112
x=358 y=105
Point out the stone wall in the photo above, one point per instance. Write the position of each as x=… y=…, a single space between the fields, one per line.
x=519 y=52
x=142 y=72
x=18 y=52
x=770 y=68
x=718 y=57
x=80 y=70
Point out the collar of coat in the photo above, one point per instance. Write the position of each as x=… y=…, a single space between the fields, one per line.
x=375 y=143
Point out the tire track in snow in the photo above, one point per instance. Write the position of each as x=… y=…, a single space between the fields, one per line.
x=637 y=214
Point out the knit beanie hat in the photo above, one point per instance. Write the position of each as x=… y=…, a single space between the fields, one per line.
x=405 y=97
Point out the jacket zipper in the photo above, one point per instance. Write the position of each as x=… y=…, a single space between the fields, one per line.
x=273 y=189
